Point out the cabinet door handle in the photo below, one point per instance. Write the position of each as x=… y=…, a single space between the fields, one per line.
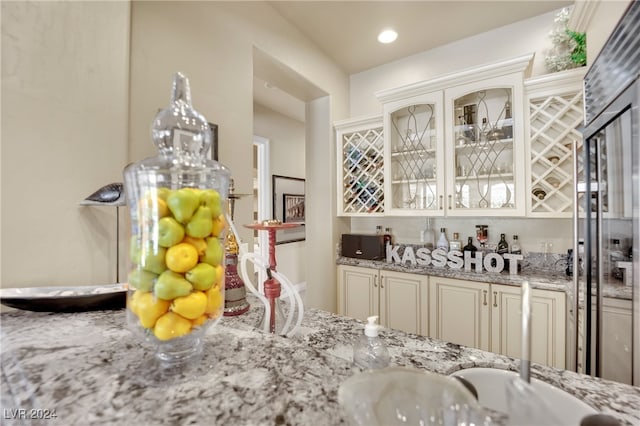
x=381 y=281
x=441 y=202
x=484 y=293
x=375 y=282
x=495 y=299
x=449 y=202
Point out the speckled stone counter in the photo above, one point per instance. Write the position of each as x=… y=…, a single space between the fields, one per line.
x=542 y=279
x=91 y=370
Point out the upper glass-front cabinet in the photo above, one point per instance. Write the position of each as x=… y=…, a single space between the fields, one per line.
x=414 y=156
x=483 y=154
x=486 y=148
x=455 y=145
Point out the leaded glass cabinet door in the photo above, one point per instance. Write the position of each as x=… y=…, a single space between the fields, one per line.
x=485 y=168
x=360 y=169
x=414 y=156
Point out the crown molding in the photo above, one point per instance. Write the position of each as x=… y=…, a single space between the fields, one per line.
x=582 y=13
x=365 y=122
x=469 y=75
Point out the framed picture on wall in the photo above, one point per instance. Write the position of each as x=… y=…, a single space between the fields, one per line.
x=289 y=207
x=293 y=208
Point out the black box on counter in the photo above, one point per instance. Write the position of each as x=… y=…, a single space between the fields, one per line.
x=361 y=246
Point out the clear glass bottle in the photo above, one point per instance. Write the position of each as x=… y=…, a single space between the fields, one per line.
x=455 y=244
x=443 y=242
x=515 y=246
x=470 y=247
x=379 y=230
x=616 y=255
x=427 y=236
x=516 y=249
x=176 y=201
x=369 y=351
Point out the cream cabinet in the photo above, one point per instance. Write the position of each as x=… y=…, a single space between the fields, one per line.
x=399 y=299
x=414 y=153
x=555 y=115
x=616 y=342
x=459 y=312
x=360 y=158
x=548 y=324
x=454 y=145
x=488 y=317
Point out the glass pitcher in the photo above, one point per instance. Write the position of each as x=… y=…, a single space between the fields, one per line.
x=177 y=202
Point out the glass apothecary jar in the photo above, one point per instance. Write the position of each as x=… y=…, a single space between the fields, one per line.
x=177 y=201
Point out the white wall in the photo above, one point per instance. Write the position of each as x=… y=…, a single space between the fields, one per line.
x=216 y=54
x=64 y=134
x=527 y=36
x=287 y=152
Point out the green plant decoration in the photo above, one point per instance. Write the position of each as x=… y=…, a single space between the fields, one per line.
x=579 y=52
x=569 y=47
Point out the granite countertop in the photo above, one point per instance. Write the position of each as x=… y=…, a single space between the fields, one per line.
x=90 y=369
x=538 y=278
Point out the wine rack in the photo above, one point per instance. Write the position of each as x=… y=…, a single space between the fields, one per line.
x=556 y=113
x=361 y=167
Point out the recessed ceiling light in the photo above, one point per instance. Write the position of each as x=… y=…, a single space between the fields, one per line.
x=387 y=36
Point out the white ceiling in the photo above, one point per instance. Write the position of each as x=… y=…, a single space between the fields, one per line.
x=346 y=31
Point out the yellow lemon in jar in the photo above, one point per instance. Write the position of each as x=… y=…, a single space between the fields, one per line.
x=219 y=223
x=181 y=257
x=199 y=321
x=171 y=325
x=190 y=306
x=199 y=243
x=132 y=301
x=153 y=207
x=215 y=300
x=149 y=308
x=219 y=275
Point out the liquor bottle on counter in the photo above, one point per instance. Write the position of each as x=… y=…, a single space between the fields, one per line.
x=455 y=244
x=503 y=246
x=470 y=247
x=388 y=240
x=443 y=243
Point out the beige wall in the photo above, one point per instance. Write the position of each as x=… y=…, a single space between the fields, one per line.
x=287 y=153
x=216 y=55
x=64 y=135
x=70 y=123
x=597 y=19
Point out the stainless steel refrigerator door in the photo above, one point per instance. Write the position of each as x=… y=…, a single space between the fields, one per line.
x=610 y=230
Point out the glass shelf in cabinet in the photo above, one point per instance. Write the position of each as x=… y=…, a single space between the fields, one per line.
x=431 y=152
x=484 y=145
x=410 y=181
x=489 y=176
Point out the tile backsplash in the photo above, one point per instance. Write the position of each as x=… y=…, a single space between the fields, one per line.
x=545 y=240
